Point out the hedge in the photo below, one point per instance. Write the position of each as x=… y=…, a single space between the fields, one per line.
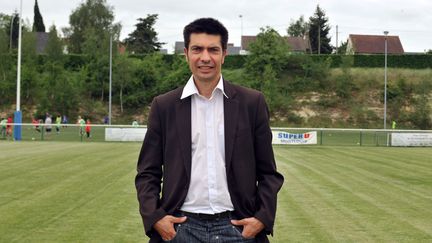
x=411 y=61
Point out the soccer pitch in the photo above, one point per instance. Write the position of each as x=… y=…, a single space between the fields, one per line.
x=84 y=192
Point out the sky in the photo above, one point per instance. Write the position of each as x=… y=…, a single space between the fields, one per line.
x=410 y=20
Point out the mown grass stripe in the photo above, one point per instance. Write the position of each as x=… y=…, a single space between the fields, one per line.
x=400 y=178
x=410 y=207
x=328 y=215
x=355 y=231
x=316 y=166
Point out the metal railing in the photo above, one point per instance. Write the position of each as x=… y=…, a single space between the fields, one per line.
x=325 y=136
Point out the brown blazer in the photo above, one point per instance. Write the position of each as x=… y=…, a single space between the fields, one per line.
x=165 y=158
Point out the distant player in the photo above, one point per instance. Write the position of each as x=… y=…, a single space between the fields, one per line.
x=35 y=124
x=3 y=123
x=65 y=120
x=81 y=124
x=88 y=128
x=58 y=123
x=9 y=127
x=48 y=123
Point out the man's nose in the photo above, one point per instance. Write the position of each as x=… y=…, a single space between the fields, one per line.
x=205 y=57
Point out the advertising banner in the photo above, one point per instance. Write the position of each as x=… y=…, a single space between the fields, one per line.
x=411 y=139
x=280 y=137
x=125 y=134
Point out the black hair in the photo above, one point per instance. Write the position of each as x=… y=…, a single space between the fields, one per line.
x=206 y=25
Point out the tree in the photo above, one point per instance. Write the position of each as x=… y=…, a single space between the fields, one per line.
x=38 y=24
x=6 y=23
x=123 y=75
x=93 y=17
x=342 y=48
x=144 y=38
x=29 y=69
x=54 y=47
x=298 y=28
x=421 y=117
x=318 y=32
x=266 y=61
x=7 y=74
x=57 y=92
x=91 y=27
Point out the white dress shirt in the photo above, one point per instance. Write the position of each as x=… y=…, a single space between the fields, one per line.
x=208 y=189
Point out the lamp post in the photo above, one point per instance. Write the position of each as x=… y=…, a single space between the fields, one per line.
x=18 y=114
x=241 y=31
x=110 y=83
x=385 y=78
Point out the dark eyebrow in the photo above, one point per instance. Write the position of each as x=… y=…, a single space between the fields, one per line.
x=200 y=48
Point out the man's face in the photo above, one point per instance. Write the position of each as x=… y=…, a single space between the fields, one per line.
x=205 y=57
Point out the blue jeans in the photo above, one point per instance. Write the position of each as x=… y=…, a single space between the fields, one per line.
x=208 y=231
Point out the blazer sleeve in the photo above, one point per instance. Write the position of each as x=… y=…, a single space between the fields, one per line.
x=268 y=179
x=149 y=177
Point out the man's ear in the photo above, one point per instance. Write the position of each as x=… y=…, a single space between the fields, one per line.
x=185 y=50
x=224 y=53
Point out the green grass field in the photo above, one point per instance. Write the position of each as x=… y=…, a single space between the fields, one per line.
x=84 y=192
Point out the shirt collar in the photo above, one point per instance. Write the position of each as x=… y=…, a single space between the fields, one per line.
x=191 y=89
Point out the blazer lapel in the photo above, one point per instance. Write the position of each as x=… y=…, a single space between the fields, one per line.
x=183 y=122
x=230 y=118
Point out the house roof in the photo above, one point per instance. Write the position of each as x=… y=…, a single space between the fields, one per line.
x=297 y=44
x=41 y=41
x=246 y=40
x=232 y=50
x=374 y=44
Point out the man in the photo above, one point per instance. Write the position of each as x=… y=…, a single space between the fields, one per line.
x=209 y=143
x=135 y=123
x=58 y=123
x=81 y=123
x=35 y=123
x=88 y=128
x=3 y=123
x=48 y=124
x=9 y=126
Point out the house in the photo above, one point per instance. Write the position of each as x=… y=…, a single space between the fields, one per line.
x=231 y=49
x=373 y=44
x=178 y=47
x=121 y=48
x=163 y=51
x=297 y=44
x=41 y=42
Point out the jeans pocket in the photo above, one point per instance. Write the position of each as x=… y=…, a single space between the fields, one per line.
x=239 y=231
x=177 y=228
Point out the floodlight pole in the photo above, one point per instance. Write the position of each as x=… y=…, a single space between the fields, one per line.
x=110 y=82
x=241 y=31
x=385 y=78
x=17 y=114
